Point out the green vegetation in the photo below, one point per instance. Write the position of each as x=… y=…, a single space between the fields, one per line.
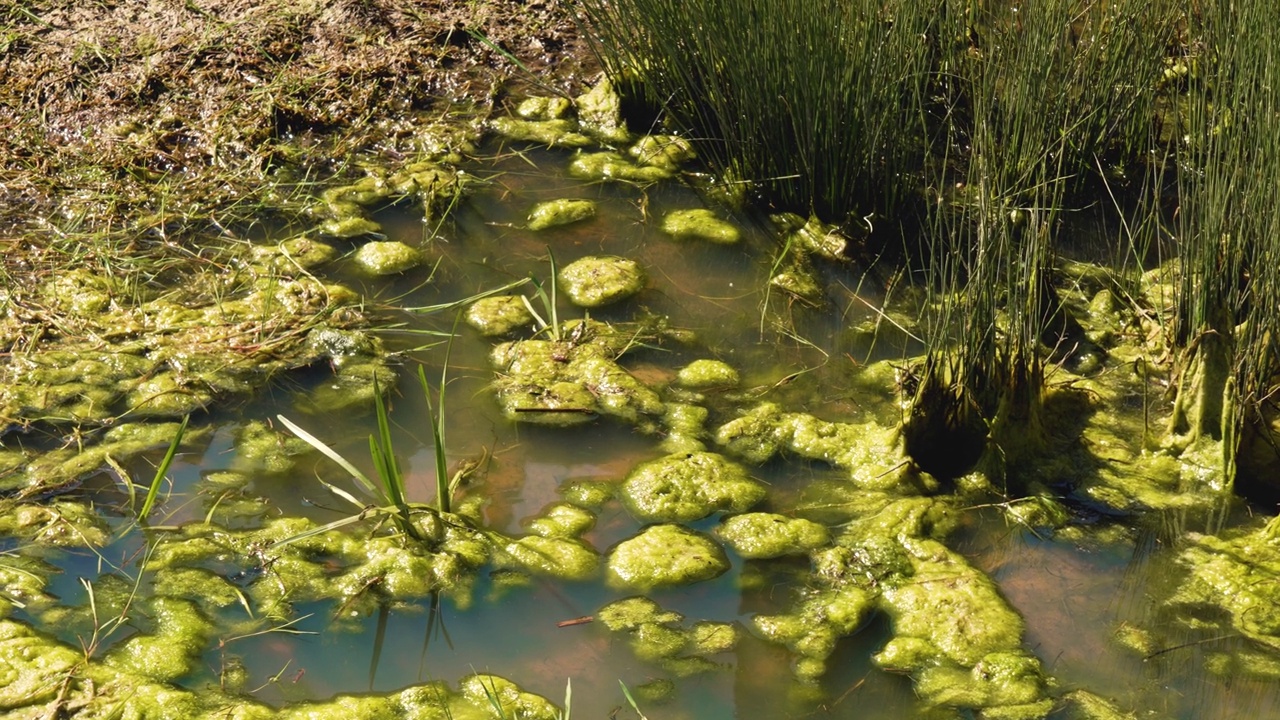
x=156 y=481
x=960 y=146
x=817 y=104
x=389 y=491
x=974 y=136
x=1229 y=161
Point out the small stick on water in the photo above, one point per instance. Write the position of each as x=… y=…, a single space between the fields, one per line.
x=1189 y=644
x=576 y=621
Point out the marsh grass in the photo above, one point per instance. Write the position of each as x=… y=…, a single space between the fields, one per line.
x=1042 y=93
x=978 y=122
x=1229 y=228
x=389 y=500
x=815 y=102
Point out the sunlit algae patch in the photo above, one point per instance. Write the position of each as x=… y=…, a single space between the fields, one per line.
x=951 y=629
x=554 y=548
x=700 y=224
x=387 y=257
x=1238 y=575
x=766 y=535
x=705 y=374
x=554 y=213
x=499 y=316
x=655 y=635
x=568 y=382
x=683 y=487
x=599 y=280
x=665 y=556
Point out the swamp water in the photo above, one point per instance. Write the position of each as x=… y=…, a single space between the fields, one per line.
x=1076 y=591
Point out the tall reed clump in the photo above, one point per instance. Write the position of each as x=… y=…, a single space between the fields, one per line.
x=1043 y=93
x=1228 y=226
x=815 y=102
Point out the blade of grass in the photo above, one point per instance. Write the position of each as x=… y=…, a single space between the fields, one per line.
x=330 y=453
x=632 y=701
x=437 y=437
x=384 y=458
x=456 y=304
x=321 y=529
x=568 y=700
x=156 y=481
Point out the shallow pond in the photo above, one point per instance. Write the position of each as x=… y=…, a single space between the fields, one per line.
x=1075 y=595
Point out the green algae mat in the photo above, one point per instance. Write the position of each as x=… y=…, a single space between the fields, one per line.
x=677 y=478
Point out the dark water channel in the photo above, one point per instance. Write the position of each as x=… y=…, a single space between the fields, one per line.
x=1073 y=598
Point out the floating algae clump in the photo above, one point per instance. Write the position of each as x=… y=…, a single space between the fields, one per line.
x=167 y=394
x=766 y=535
x=951 y=630
x=262 y=449
x=32 y=666
x=700 y=224
x=543 y=107
x=437 y=187
x=706 y=374
x=350 y=226
x=296 y=255
x=684 y=429
x=565 y=383
x=387 y=258
x=554 y=213
x=63 y=523
x=561 y=557
x=683 y=487
x=813 y=629
x=587 y=493
x=630 y=613
x=953 y=606
x=556 y=132
x=79 y=385
x=351 y=388
x=870 y=451
x=38 y=674
x=486 y=691
x=1237 y=575
x=811 y=236
x=180 y=634
x=665 y=151
x=600 y=112
x=22 y=585
x=1002 y=686
x=959 y=638
x=599 y=280
x=499 y=316
x=654 y=635
x=665 y=556
x=610 y=165
x=797 y=276
x=562 y=519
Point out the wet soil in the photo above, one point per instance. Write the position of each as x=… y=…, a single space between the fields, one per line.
x=214 y=99
x=148 y=145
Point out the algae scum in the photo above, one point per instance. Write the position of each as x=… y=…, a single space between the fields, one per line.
x=674 y=461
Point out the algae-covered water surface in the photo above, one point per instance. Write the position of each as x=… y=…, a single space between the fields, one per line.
x=676 y=487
